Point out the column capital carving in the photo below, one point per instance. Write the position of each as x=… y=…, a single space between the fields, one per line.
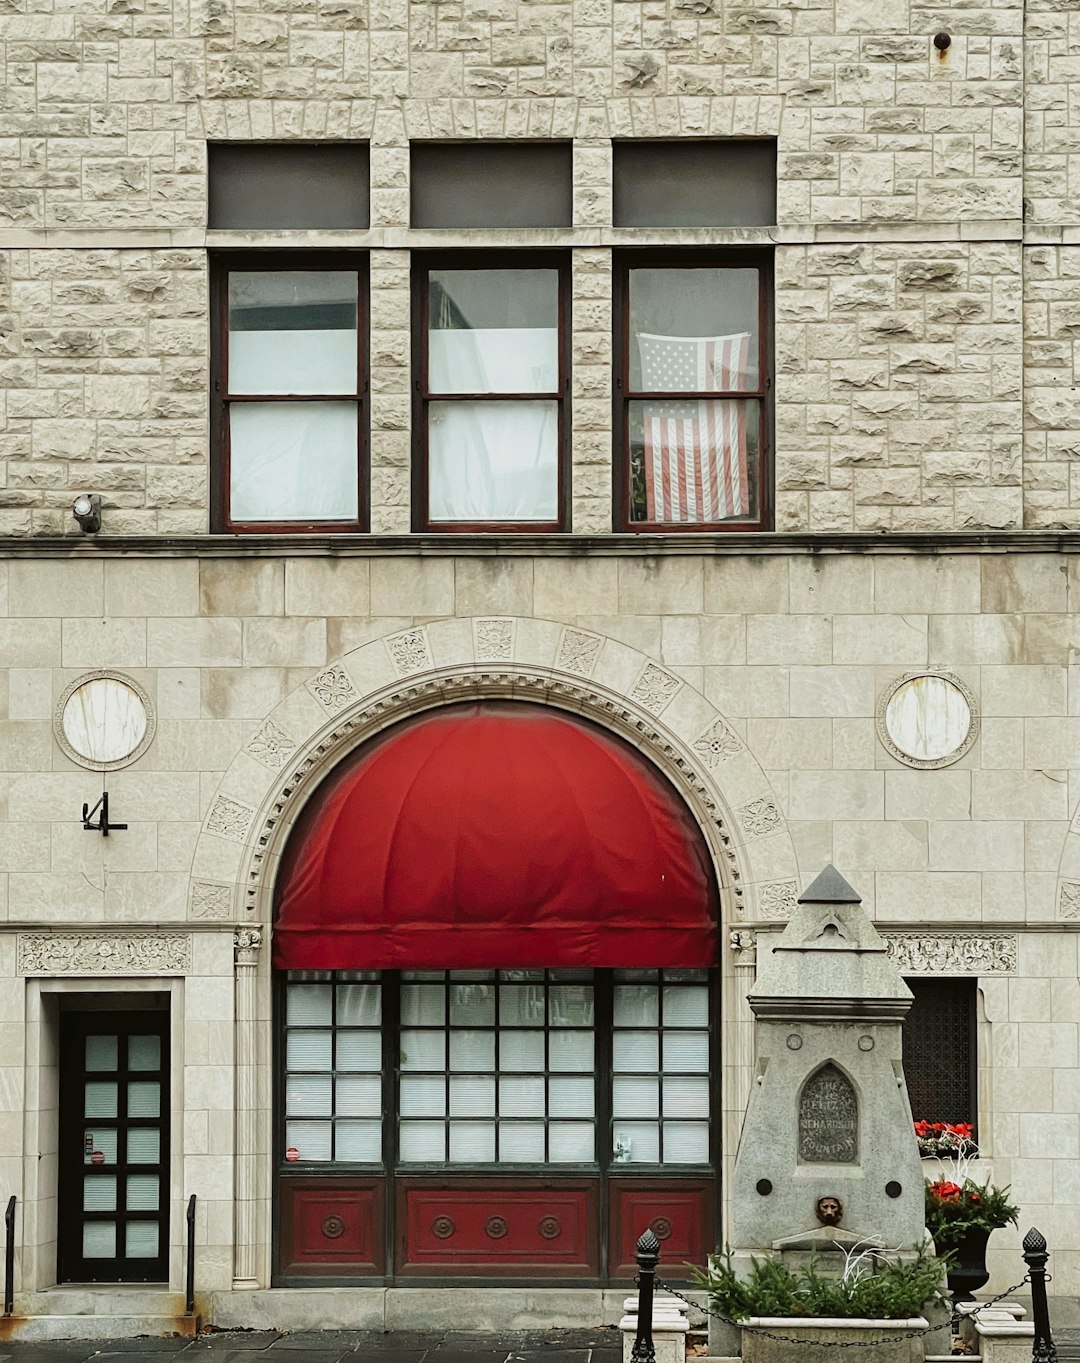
x=247 y=943
x=743 y=944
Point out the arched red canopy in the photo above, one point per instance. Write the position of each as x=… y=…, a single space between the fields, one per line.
x=495 y=835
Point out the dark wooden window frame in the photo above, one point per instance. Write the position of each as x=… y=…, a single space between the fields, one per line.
x=423 y=263
x=223 y=263
x=623 y=394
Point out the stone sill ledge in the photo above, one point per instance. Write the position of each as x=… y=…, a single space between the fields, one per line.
x=710 y=545
x=834 y=1323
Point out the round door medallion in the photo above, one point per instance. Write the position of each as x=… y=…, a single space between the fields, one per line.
x=443 y=1227
x=660 y=1227
x=550 y=1227
x=333 y=1227
x=496 y=1227
x=104 y=721
x=927 y=719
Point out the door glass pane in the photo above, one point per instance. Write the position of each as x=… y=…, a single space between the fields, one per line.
x=522 y=1097
x=472 y=1050
x=423 y=1095
x=571 y=1097
x=522 y=1050
x=522 y=1142
x=359 y=1005
x=686 y=1097
x=307 y=1095
x=694 y=462
x=472 y=1097
x=359 y=1051
x=101 y=1052
x=142 y=1192
x=293 y=461
x=493 y=461
x=423 y=1051
x=99 y=1240
x=311 y=1140
x=687 y=1051
x=292 y=331
x=636 y=1142
x=634 y=1097
x=359 y=1141
x=144 y=1099
x=686 y=1005
x=144 y=1145
x=686 y=1142
x=472 y=1005
x=423 y=1142
x=309 y=1004
x=141 y=1239
x=571 y=1051
x=636 y=1005
x=521 y=1005
x=636 y=1051
x=308 y=1051
x=423 y=1005
x=100 y=1099
x=693 y=330
x=99 y=1146
x=570 y=1005
x=358 y=1097
x=570 y=1142
x=99 y=1193
x=144 y=1053
x=493 y=331
x=472 y=1142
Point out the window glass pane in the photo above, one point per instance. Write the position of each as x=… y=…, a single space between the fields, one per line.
x=101 y=1053
x=493 y=331
x=472 y=1005
x=693 y=330
x=693 y=463
x=100 y=1100
x=144 y=1053
x=493 y=461
x=686 y=1143
x=309 y=1004
x=103 y=1144
x=522 y=1097
x=99 y=1193
x=570 y=1142
x=359 y=1005
x=521 y=1142
x=142 y=1192
x=143 y=1145
x=359 y=1051
x=99 y=1240
x=423 y=1051
x=636 y=1051
x=472 y=1050
x=570 y=1005
x=571 y=1097
x=308 y=1050
x=686 y=1097
x=311 y=1140
x=361 y=1141
x=522 y=1050
x=521 y=1005
x=144 y=1099
x=423 y=1004
x=687 y=1051
x=423 y=1141
x=686 y=1005
x=472 y=1142
x=636 y=1142
x=292 y=331
x=570 y=1050
x=293 y=461
x=635 y=1097
x=636 y=1005
x=307 y=1095
x=423 y=1095
x=472 y=1097
x=358 y=1097
x=141 y=1239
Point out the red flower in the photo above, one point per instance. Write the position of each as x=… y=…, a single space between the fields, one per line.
x=922 y=1129
x=946 y=1191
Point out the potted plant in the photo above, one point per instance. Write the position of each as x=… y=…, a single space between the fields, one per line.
x=960 y=1211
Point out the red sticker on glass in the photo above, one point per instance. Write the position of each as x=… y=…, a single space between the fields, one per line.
x=98 y=1157
x=292 y=1154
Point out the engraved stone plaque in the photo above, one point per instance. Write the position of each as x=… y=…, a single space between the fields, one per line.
x=828 y=1119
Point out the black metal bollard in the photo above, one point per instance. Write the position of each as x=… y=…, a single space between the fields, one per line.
x=648 y=1255
x=9 y=1257
x=1035 y=1256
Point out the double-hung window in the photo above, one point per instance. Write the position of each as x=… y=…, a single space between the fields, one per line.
x=289 y=387
x=691 y=410
x=492 y=368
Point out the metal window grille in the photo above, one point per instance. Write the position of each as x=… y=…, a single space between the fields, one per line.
x=940 y=1051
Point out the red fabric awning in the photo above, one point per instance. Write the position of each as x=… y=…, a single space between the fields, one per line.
x=495 y=835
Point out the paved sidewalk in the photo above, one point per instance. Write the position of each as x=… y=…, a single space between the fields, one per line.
x=602 y=1345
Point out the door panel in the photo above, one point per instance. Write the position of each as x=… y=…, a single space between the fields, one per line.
x=114 y=1147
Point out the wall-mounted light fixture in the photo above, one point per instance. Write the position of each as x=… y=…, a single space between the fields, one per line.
x=86 y=508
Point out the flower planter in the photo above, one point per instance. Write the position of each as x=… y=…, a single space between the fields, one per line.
x=968 y=1271
x=865 y=1341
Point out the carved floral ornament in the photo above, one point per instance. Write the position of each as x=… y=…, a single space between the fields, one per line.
x=103 y=953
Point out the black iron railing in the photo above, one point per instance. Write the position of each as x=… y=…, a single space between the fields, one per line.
x=9 y=1257
x=189 y=1276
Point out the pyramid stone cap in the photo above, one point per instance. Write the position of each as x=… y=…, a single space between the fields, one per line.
x=830 y=887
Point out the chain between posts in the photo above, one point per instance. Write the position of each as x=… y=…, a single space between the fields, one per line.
x=954 y=1319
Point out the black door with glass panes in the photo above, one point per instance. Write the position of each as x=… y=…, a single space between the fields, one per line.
x=114 y=1147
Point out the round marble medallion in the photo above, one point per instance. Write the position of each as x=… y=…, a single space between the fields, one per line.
x=927 y=719
x=104 y=721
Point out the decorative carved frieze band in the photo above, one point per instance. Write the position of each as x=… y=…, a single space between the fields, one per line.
x=103 y=953
x=953 y=953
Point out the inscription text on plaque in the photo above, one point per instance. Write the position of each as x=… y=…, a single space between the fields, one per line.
x=828 y=1119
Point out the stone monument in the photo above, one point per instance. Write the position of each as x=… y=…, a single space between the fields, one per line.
x=827 y=1156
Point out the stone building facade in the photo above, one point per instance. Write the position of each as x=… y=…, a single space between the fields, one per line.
x=920 y=490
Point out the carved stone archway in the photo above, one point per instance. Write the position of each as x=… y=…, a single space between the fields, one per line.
x=405 y=673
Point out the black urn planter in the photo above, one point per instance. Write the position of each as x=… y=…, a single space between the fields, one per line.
x=968 y=1270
